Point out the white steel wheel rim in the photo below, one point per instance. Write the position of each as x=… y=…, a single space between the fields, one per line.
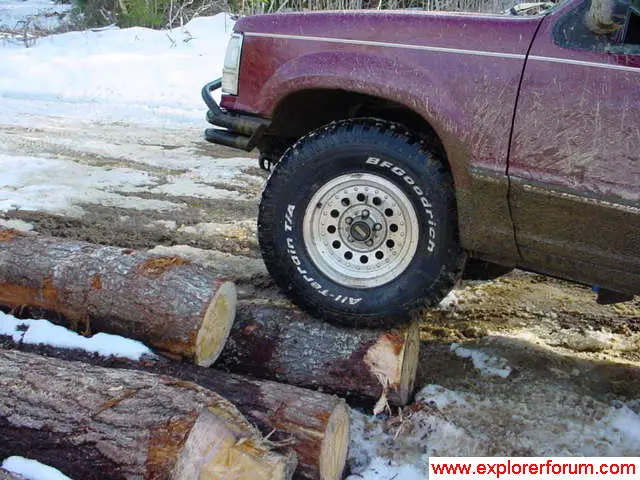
x=360 y=230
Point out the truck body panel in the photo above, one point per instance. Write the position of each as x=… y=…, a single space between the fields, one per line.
x=575 y=155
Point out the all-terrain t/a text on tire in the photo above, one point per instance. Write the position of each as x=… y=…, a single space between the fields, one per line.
x=358 y=223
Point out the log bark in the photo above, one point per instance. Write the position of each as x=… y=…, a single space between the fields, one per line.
x=5 y=475
x=276 y=341
x=177 y=308
x=312 y=424
x=315 y=425
x=94 y=422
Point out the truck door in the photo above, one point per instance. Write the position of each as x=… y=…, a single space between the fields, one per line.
x=574 y=166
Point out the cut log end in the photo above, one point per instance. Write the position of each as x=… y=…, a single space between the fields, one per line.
x=213 y=451
x=410 y=359
x=216 y=325
x=335 y=444
x=393 y=360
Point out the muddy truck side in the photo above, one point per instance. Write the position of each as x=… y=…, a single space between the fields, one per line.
x=409 y=147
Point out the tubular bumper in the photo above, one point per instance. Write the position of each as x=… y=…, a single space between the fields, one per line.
x=242 y=131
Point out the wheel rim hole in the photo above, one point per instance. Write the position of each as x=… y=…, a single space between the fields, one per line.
x=377 y=201
x=335 y=213
x=393 y=227
x=346 y=202
x=361 y=197
x=336 y=244
x=379 y=255
x=364 y=259
x=348 y=255
x=390 y=243
x=331 y=229
x=388 y=212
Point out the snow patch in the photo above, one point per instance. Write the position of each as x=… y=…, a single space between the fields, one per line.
x=549 y=421
x=242 y=230
x=450 y=302
x=54 y=185
x=152 y=76
x=43 y=332
x=221 y=178
x=185 y=187
x=16 y=224
x=383 y=469
x=439 y=397
x=166 y=224
x=32 y=469
x=42 y=15
x=488 y=365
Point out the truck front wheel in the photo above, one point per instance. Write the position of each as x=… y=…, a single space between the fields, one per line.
x=358 y=224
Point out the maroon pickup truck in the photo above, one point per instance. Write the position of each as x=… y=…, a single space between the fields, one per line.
x=406 y=145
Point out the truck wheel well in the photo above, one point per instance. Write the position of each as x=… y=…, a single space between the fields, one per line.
x=306 y=110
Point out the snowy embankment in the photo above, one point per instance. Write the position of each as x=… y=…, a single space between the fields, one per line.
x=134 y=75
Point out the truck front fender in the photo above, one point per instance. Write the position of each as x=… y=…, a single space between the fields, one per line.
x=382 y=77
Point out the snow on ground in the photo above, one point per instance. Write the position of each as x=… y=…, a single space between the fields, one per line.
x=488 y=365
x=443 y=422
x=41 y=14
x=16 y=224
x=54 y=185
x=43 y=332
x=134 y=75
x=85 y=88
x=31 y=469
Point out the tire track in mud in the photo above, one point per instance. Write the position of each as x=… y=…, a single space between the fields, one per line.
x=165 y=155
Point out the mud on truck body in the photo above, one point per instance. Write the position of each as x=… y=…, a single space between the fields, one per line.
x=406 y=145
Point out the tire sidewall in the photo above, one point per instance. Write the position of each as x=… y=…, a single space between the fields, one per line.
x=404 y=165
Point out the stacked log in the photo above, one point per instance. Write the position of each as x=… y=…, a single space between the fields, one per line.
x=180 y=309
x=183 y=425
x=275 y=340
x=314 y=425
x=94 y=422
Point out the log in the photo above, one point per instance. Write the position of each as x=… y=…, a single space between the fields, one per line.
x=93 y=422
x=5 y=475
x=274 y=340
x=313 y=424
x=180 y=309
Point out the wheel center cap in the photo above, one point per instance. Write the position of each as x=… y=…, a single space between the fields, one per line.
x=360 y=231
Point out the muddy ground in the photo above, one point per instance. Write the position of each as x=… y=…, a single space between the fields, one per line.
x=571 y=361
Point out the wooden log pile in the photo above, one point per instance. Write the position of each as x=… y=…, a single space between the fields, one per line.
x=163 y=418
x=94 y=422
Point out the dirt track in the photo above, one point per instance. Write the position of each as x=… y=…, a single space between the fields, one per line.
x=569 y=357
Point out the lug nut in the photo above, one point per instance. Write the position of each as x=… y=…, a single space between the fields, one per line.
x=365 y=213
x=377 y=227
x=369 y=243
x=349 y=220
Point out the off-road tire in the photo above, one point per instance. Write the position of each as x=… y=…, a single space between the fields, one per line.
x=406 y=164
